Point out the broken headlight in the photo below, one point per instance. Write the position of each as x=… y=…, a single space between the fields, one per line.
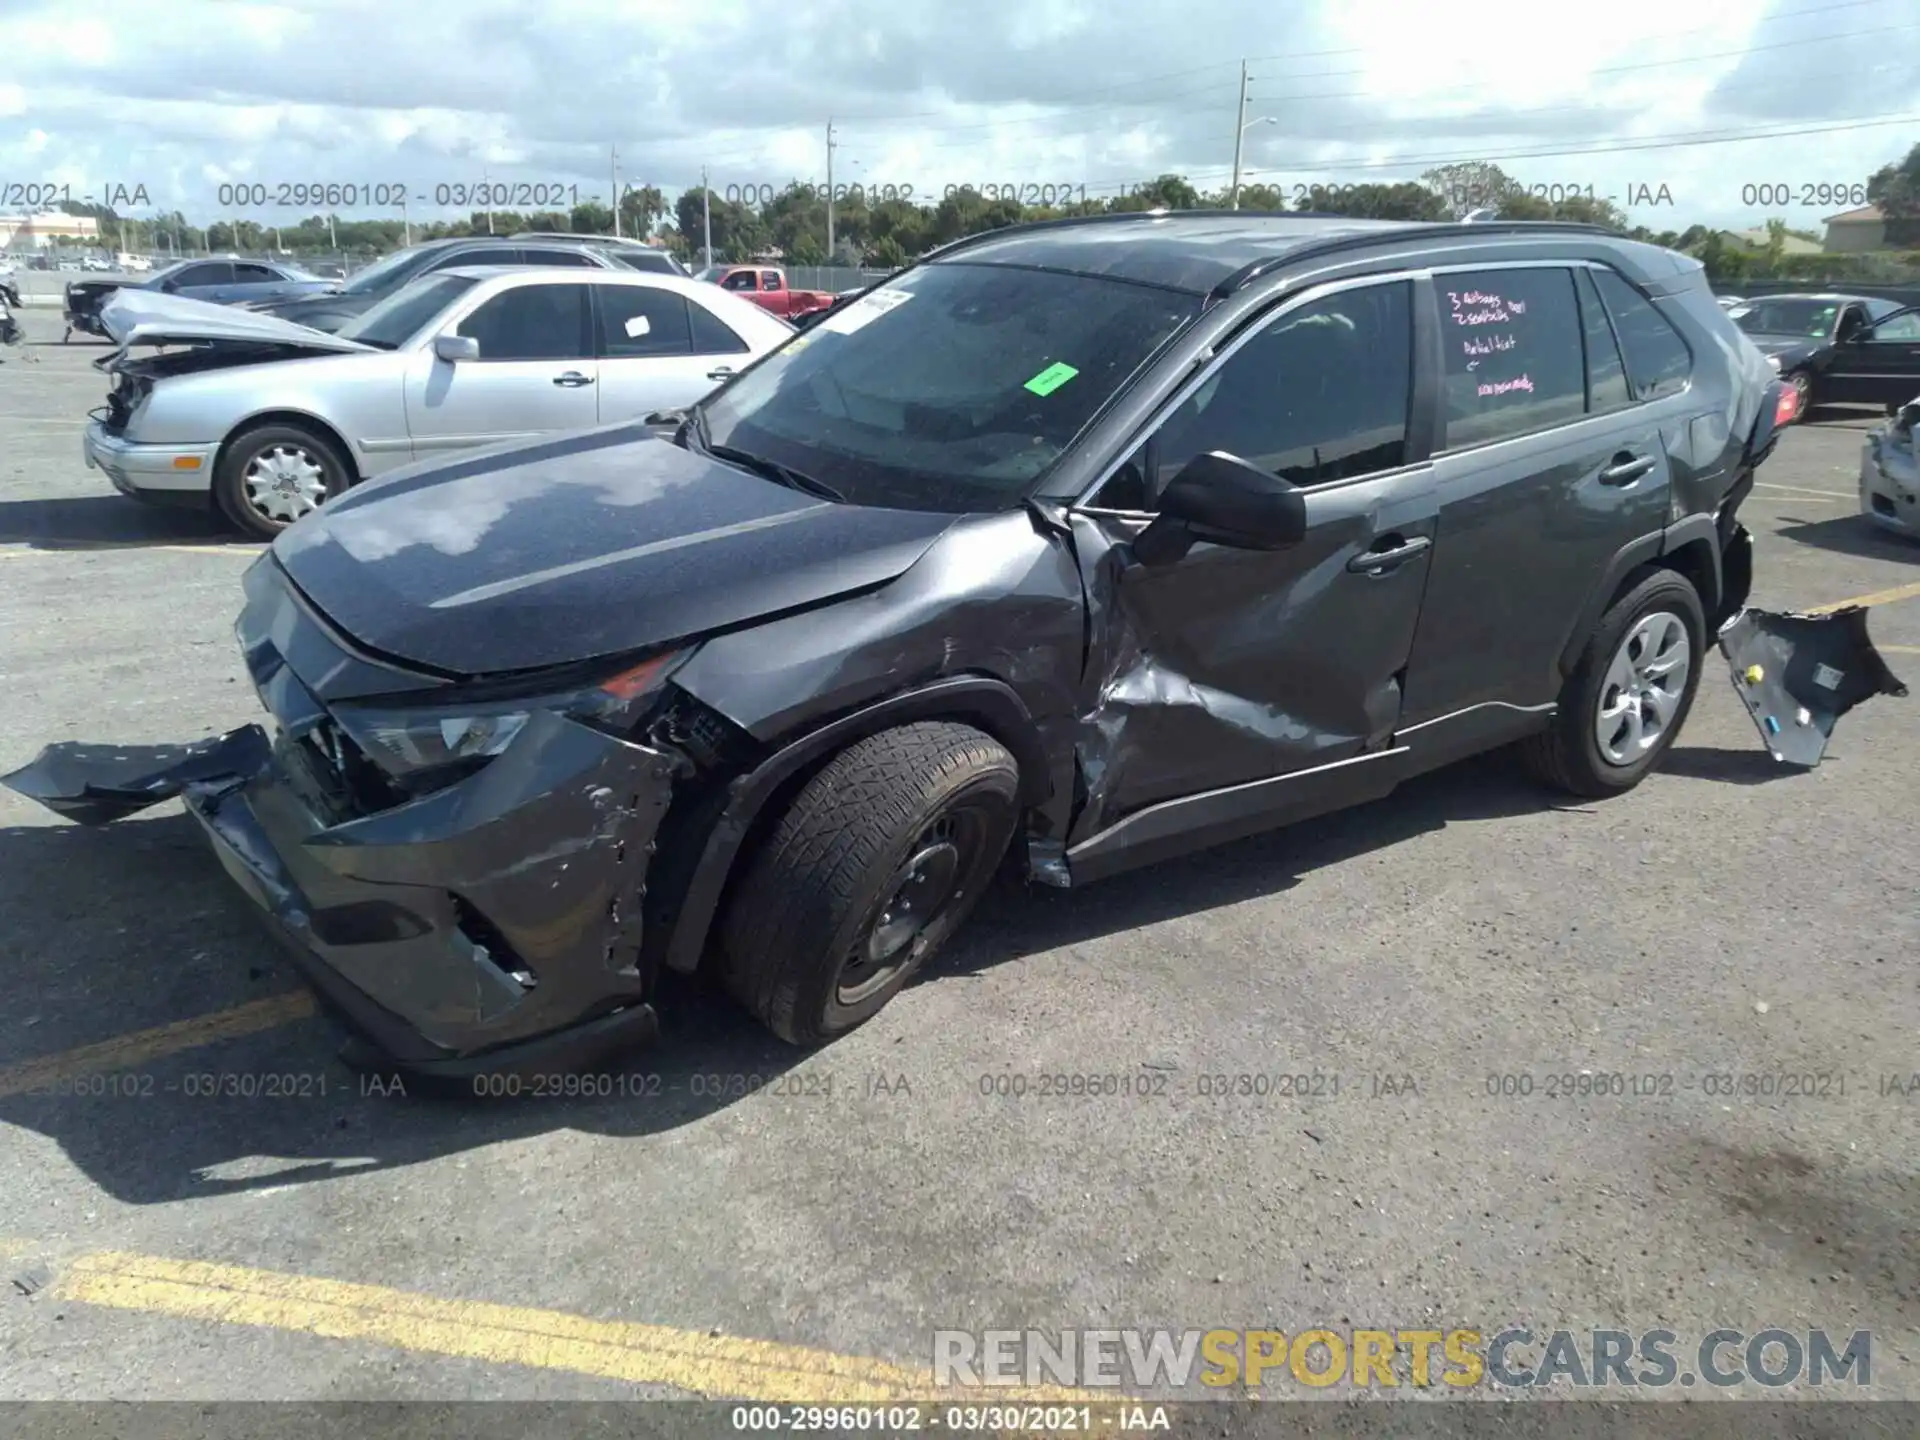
x=445 y=734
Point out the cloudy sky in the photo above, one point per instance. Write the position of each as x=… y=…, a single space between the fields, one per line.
x=182 y=96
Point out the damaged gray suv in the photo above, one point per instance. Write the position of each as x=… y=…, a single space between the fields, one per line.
x=1072 y=547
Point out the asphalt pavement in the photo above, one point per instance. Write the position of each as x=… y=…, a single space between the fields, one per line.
x=198 y=1201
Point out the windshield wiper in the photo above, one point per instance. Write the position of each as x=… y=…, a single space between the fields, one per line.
x=769 y=469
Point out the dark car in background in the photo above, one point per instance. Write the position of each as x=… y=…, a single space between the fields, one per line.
x=343 y=300
x=1084 y=543
x=218 y=281
x=1837 y=349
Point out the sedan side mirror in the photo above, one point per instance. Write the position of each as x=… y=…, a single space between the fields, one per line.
x=455 y=348
x=169 y=286
x=1222 y=499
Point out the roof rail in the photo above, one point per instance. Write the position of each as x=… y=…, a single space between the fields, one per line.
x=1360 y=240
x=1064 y=222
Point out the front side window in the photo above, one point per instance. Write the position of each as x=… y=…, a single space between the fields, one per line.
x=640 y=322
x=1514 y=362
x=953 y=388
x=1658 y=361
x=398 y=318
x=1900 y=328
x=532 y=322
x=1320 y=394
x=1809 y=319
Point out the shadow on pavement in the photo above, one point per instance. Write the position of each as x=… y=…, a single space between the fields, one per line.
x=106 y=521
x=133 y=926
x=1847 y=535
x=1736 y=767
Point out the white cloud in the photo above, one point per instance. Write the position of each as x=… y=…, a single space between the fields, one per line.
x=182 y=97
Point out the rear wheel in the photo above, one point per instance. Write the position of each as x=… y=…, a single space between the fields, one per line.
x=272 y=475
x=1626 y=700
x=872 y=867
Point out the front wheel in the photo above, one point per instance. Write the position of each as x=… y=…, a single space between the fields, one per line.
x=870 y=870
x=1626 y=700
x=272 y=475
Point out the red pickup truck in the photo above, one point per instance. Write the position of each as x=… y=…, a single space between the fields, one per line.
x=766 y=286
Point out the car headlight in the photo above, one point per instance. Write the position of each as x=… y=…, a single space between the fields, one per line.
x=414 y=740
x=1774 y=362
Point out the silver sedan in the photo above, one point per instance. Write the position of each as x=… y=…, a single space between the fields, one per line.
x=266 y=419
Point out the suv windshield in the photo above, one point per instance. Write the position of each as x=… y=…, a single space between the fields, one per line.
x=1813 y=318
x=386 y=270
x=398 y=318
x=952 y=388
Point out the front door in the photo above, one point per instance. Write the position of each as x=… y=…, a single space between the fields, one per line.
x=1552 y=463
x=1235 y=666
x=1880 y=366
x=536 y=372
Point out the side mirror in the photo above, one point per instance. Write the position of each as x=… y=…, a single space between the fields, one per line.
x=169 y=286
x=455 y=348
x=1223 y=500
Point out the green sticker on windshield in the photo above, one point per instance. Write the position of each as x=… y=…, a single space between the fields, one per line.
x=1052 y=378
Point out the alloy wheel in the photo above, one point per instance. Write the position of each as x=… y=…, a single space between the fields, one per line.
x=1645 y=684
x=283 y=482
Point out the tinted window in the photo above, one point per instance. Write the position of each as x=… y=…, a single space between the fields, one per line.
x=532 y=322
x=649 y=261
x=389 y=271
x=639 y=321
x=1320 y=394
x=712 y=335
x=535 y=256
x=1658 y=361
x=1606 y=376
x=770 y=280
x=493 y=255
x=1903 y=328
x=954 y=387
x=212 y=273
x=398 y=318
x=1513 y=353
x=254 y=274
x=1814 y=319
x=739 y=280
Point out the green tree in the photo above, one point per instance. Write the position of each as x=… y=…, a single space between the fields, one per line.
x=1896 y=190
x=1406 y=200
x=590 y=217
x=1471 y=185
x=641 y=208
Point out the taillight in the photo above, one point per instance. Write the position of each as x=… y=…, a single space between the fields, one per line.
x=1786 y=407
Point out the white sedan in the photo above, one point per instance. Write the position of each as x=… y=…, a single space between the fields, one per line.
x=266 y=419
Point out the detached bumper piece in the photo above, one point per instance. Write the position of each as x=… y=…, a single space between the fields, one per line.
x=492 y=926
x=1798 y=674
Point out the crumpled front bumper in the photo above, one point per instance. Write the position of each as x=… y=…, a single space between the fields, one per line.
x=1890 y=484
x=493 y=925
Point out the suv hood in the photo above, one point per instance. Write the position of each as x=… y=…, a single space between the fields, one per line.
x=149 y=317
x=593 y=544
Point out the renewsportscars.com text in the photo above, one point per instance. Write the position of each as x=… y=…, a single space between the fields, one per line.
x=1157 y=1361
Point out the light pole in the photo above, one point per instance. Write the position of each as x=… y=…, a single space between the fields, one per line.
x=1233 y=202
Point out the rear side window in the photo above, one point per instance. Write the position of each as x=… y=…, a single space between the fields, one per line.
x=652 y=262
x=640 y=322
x=1658 y=361
x=1607 y=387
x=536 y=256
x=712 y=335
x=1514 y=356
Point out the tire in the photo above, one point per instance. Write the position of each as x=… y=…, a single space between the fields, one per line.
x=299 y=469
x=802 y=943
x=1570 y=755
x=1801 y=383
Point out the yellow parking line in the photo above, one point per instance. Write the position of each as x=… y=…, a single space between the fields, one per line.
x=1878 y=597
x=695 y=1361
x=1899 y=649
x=143 y=1045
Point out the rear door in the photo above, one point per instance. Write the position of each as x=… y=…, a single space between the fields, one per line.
x=647 y=359
x=1233 y=666
x=536 y=373
x=251 y=281
x=198 y=282
x=1551 y=463
x=1880 y=366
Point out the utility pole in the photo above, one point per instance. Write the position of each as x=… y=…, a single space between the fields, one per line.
x=486 y=194
x=1239 y=139
x=616 y=192
x=706 y=216
x=829 y=190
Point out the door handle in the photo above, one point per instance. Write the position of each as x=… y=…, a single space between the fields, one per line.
x=573 y=379
x=720 y=372
x=1626 y=468
x=1388 y=554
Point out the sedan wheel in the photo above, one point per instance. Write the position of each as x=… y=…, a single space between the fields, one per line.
x=1801 y=383
x=1644 y=687
x=284 y=482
